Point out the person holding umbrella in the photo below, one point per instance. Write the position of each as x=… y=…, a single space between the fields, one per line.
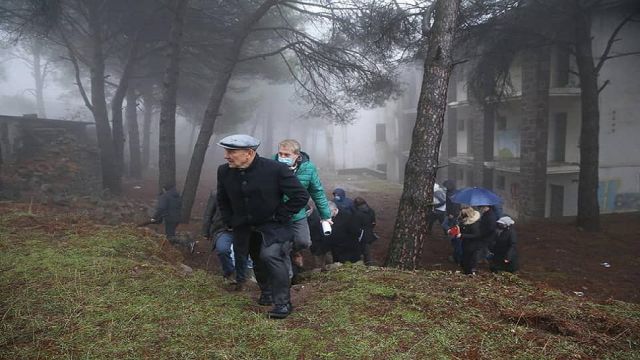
x=475 y=245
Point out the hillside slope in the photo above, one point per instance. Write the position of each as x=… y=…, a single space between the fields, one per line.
x=70 y=288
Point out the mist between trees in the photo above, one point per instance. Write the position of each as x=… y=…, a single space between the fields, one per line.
x=161 y=80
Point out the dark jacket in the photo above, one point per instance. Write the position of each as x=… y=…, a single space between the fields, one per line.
x=453 y=208
x=365 y=217
x=212 y=223
x=344 y=204
x=254 y=197
x=504 y=248
x=169 y=207
x=344 y=238
x=319 y=242
x=307 y=173
x=470 y=232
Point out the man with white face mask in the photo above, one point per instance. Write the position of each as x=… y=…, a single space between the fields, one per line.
x=289 y=153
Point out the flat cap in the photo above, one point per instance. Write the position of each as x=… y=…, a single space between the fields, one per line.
x=239 y=141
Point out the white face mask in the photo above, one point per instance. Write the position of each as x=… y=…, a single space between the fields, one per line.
x=285 y=160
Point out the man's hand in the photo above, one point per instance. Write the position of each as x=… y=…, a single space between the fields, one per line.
x=327 y=220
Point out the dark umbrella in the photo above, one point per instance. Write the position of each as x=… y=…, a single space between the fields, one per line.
x=476 y=196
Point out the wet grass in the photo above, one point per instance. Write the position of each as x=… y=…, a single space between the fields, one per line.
x=73 y=289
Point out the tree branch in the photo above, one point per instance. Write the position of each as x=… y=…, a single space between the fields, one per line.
x=603 y=86
x=612 y=40
x=76 y=69
x=272 y=53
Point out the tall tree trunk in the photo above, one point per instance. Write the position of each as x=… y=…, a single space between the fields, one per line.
x=410 y=231
x=167 y=131
x=110 y=179
x=588 y=207
x=135 y=166
x=534 y=132
x=213 y=107
x=147 y=98
x=38 y=76
x=116 y=105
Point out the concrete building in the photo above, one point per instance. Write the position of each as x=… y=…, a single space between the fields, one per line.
x=487 y=146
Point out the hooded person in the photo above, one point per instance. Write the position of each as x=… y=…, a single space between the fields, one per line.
x=366 y=220
x=505 y=255
x=342 y=201
x=168 y=212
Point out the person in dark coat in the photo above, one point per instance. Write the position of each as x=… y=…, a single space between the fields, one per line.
x=474 y=247
x=320 y=246
x=366 y=219
x=342 y=201
x=505 y=255
x=168 y=211
x=345 y=246
x=471 y=241
x=451 y=220
x=251 y=197
x=213 y=228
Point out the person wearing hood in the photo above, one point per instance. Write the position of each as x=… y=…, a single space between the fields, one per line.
x=505 y=255
x=343 y=239
x=342 y=201
x=365 y=217
x=168 y=211
x=471 y=239
x=290 y=153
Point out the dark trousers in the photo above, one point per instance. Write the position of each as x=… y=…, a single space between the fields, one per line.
x=270 y=265
x=472 y=250
x=436 y=215
x=170 y=229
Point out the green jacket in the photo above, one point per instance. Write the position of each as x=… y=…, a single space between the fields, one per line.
x=307 y=173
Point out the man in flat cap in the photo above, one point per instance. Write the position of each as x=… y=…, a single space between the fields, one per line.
x=250 y=195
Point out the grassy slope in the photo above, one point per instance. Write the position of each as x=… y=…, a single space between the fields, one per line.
x=72 y=289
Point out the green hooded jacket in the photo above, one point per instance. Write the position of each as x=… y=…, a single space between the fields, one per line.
x=307 y=173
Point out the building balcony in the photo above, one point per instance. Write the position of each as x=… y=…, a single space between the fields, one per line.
x=513 y=166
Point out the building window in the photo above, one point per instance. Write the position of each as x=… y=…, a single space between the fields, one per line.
x=559 y=137
x=500 y=182
x=501 y=123
x=460 y=124
x=381 y=132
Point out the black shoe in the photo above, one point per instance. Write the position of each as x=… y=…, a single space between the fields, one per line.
x=279 y=311
x=265 y=300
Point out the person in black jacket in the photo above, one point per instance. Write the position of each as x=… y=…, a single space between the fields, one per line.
x=366 y=220
x=168 y=211
x=214 y=229
x=345 y=246
x=505 y=255
x=250 y=196
x=471 y=240
x=475 y=247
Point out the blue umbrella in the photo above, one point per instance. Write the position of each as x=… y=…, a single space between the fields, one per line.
x=476 y=196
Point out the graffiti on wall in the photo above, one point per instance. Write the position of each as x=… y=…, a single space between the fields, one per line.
x=508 y=142
x=610 y=199
x=627 y=201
